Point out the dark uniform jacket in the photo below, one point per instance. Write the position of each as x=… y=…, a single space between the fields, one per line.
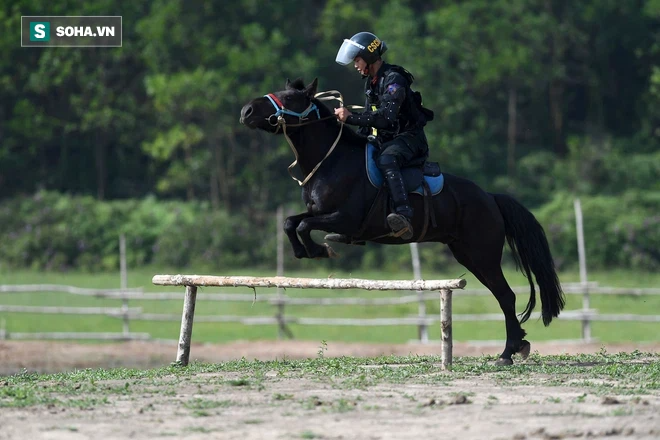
x=394 y=110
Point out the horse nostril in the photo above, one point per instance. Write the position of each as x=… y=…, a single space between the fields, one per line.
x=247 y=111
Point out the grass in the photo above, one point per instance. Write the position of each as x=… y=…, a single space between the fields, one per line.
x=601 y=374
x=223 y=332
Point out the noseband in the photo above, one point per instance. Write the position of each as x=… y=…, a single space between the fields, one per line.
x=279 y=121
x=281 y=110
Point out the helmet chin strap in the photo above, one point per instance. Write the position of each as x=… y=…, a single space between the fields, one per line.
x=367 y=75
x=369 y=70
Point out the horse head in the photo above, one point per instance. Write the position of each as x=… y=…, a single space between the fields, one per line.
x=293 y=105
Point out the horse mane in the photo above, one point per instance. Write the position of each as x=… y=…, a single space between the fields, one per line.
x=297 y=84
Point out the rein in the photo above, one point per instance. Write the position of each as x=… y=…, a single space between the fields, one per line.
x=280 y=110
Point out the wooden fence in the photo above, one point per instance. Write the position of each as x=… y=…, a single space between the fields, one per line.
x=124 y=313
x=280 y=302
x=192 y=282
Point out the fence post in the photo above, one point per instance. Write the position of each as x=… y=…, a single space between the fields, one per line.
x=422 y=331
x=187 y=318
x=582 y=256
x=279 y=314
x=124 y=283
x=446 y=327
x=3 y=332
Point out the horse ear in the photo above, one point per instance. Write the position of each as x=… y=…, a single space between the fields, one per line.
x=311 y=89
x=288 y=84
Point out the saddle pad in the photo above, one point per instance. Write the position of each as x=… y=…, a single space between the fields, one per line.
x=410 y=175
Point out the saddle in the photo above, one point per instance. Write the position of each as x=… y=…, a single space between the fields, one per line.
x=426 y=180
x=414 y=176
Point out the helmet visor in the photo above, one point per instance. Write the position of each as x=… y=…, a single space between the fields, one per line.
x=347 y=52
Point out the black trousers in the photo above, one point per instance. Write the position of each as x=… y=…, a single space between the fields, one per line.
x=409 y=148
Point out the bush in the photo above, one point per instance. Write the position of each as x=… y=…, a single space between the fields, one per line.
x=209 y=239
x=621 y=231
x=52 y=231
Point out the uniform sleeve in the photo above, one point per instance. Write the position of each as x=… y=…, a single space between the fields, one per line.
x=385 y=116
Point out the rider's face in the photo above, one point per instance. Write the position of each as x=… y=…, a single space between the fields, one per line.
x=361 y=66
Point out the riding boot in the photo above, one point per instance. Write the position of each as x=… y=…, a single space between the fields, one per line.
x=400 y=220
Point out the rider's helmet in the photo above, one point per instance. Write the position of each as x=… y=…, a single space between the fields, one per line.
x=363 y=44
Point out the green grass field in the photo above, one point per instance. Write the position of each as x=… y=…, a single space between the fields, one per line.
x=554 y=397
x=633 y=373
x=216 y=332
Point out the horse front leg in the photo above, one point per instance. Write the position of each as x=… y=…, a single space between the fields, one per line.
x=333 y=222
x=290 y=225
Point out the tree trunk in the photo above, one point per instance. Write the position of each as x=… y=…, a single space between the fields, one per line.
x=511 y=135
x=213 y=181
x=63 y=183
x=222 y=176
x=101 y=166
x=556 y=98
x=213 y=188
x=557 y=85
x=190 y=191
x=227 y=176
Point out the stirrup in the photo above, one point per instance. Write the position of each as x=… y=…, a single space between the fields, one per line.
x=400 y=226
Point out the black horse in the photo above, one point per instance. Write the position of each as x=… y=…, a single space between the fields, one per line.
x=341 y=199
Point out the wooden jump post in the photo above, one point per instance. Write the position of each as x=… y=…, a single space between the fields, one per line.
x=192 y=282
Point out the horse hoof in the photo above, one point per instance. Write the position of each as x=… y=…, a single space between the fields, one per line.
x=331 y=252
x=338 y=238
x=525 y=348
x=502 y=362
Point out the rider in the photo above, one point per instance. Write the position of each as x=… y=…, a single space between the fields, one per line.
x=395 y=116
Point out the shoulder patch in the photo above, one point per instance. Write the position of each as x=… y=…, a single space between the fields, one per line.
x=392 y=88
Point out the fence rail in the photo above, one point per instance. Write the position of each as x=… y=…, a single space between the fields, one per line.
x=279 y=301
x=116 y=312
x=18 y=288
x=68 y=336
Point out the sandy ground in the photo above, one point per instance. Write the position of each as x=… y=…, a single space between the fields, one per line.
x=294 y=408
x=48 y=357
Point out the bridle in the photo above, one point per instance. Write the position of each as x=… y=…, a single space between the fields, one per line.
x=281 y=110
x=277 y=120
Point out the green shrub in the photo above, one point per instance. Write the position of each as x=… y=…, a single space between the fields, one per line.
x=52 y=231
x=620 y=231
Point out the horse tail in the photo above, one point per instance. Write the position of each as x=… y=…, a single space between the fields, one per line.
x=531 y=254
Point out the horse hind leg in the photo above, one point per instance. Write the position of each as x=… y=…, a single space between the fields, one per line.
x=507 y=299
x=492 y=278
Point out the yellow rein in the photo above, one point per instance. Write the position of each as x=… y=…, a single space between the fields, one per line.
x=321 y=96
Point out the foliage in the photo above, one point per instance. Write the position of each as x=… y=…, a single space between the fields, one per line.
x=52 y=231
x=49 y=231
x=620 y=231
x=546 y=100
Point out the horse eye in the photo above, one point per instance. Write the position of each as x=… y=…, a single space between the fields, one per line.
x=289 y=101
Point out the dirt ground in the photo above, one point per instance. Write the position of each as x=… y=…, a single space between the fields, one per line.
x=294 y=408
x=50 y=357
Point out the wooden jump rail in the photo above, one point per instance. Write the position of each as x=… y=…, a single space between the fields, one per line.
x=192 y=282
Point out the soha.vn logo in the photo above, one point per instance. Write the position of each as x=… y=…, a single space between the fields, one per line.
x=39 y=31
